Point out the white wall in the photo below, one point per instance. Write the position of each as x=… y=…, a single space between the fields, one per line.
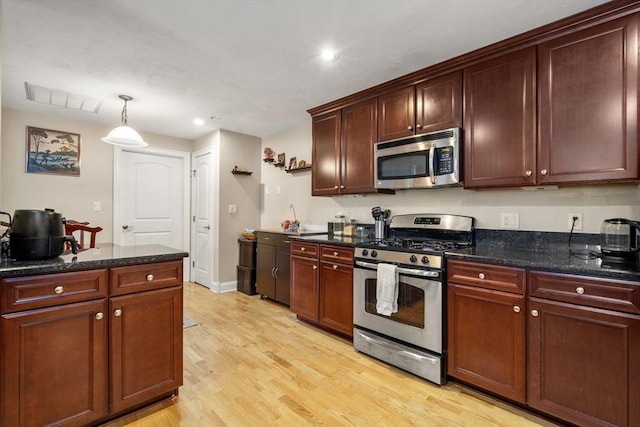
x=541 y=210
x=72 y=196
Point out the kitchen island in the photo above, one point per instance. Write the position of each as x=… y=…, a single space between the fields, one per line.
x=88 y=337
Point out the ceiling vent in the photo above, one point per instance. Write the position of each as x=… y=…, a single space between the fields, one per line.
x=61 y=98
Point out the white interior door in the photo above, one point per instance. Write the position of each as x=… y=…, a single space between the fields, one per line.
x=203 y=222
x=151 y=198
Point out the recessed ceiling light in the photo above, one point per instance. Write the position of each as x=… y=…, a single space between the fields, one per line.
x=329 y=55
x=198 y=122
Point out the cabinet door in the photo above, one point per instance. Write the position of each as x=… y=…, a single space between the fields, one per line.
x=54 y=365
x=499 y=121
x=283 y=273
x=304 y=287
x=336 y=297
x=486 y=339
x=588 y=91
x=583 y=363
x=265 y=266
x=439 y=103
x=358 y=141
x=145 y=346
x=325 y=165
x=396 y=114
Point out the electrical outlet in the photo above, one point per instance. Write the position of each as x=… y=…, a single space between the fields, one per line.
x=578 y=225
x=97 y=206
x=509 y=220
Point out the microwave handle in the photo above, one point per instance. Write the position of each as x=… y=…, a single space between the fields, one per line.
x=432 y=167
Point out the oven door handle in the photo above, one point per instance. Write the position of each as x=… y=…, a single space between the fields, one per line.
x=401 y=270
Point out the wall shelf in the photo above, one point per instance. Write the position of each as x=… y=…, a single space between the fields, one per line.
x=297 y=169
x=235 y=172
x=269 y=160
x=278 y=164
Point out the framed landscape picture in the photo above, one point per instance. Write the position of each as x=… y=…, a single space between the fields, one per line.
x=53 y=152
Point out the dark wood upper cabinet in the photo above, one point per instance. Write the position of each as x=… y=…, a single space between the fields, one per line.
x=357 y=144
x=499 y=121
x=325 y=164
x=429 y=106
x=588 y=98
x=396 y=114
x=343 y=143
x=439 y=103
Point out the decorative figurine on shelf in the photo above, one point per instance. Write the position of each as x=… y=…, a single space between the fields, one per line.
x=268 y=153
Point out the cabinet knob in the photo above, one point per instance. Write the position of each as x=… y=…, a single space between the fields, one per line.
x=303 y=249
x=528 y=173
x=335 y=254
x=544 y=172
x=149 y=277
x=342 y=186
x=534 y=313
x=335 y=187
x=418 y=126
x=117 y=313
x=580 y=290
x=58 y=289
x=315 y=267
x=335 y=267
x=409 y=127
x=516 y=308
x=482 y=276
x=99 y=315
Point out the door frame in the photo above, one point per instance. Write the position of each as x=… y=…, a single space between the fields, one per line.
x=215 y=232
x=185 y=157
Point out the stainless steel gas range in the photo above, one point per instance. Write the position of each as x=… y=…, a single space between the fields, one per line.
x=412 y=337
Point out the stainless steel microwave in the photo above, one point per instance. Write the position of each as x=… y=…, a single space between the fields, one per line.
x=422 y=161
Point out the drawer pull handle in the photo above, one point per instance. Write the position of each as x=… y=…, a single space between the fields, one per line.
x=482 y=276
x=315 y=267
x=544 y=172
x=580 y=290
x=149 y=277
x=303 y=249
x=528 y=173
x=516 y=308
x=534 y=313
x=58 y=290
x=335 y=267
x=117 y=313
x=335 y=254
x=99 y=315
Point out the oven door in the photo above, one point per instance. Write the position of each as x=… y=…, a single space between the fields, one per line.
x=418 y=320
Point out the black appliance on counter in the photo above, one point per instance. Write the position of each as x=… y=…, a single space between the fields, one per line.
x=412 y=338
x=37 y=234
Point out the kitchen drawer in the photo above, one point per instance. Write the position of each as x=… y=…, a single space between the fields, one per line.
x=145 y=277
x=589 y=291
x=487 y=276
x=275 y=239
x=304 y=249
x=336 y=254
x=26 y=293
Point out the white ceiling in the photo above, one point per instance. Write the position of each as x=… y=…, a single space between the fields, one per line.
x=254 y=64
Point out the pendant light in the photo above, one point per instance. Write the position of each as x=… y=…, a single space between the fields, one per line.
x=124 y=136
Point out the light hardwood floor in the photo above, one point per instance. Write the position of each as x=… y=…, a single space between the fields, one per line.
x=249 y=362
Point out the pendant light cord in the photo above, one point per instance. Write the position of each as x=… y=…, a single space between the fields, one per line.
x=124 y=114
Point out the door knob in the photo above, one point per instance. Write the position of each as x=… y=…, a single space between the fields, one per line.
x=207 y=227
x=126 y=227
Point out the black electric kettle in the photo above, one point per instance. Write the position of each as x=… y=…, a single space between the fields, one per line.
x=38 y=234
x=620 y=237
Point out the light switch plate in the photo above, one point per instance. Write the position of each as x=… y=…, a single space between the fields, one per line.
x=233 y=209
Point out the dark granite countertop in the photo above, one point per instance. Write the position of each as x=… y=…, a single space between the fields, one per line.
x=525 y=249
x=104 y=256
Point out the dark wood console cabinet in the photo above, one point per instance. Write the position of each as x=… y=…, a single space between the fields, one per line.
x=72 y=354
x=272 y=266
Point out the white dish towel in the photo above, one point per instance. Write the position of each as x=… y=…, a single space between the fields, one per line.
x=387 y=289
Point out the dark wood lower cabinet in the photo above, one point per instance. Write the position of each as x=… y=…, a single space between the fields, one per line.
x=486 y=339
x=145 y=346
x=304 y=293
x=584 y=363
x=336 y=297
x=54 y=365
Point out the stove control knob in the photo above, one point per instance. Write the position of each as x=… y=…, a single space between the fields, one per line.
x=374 y=254
x=365 y=252
x=425 y=260
x=413 y=258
